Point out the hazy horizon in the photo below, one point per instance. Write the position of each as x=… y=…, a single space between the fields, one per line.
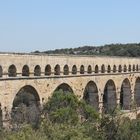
x=27 y=26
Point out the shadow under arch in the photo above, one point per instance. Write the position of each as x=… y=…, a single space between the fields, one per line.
x=48 y=70
x=1 y=71
x=89 y=70
x=96 y=69
x=74 y=69
x=57 y=70
x=114 y=69
x=125 y=95
x=103 y=68
x=12 y=71
x=37 y=70
x=25 y=70
x=66 y=70
x=109 y=97
x=91 y=95
x=82 y=69
x=137 y=92
x=26 y=106
x=64 y=87
x=108 y=69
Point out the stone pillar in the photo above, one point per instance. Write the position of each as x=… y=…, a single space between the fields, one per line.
x=118 y=92
x=6 y=117
x=5 y=75
x=101 y=107
x=31 y=74
x=19 y=74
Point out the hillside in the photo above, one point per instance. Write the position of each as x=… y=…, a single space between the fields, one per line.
x=129 y=50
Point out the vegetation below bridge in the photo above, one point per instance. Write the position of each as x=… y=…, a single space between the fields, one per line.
x=64 y=117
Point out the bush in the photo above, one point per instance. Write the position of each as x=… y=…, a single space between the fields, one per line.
x=67 y=118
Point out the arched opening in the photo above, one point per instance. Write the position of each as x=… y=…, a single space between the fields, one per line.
x=65 y=88
x=137 y=92
x=120 y=68
x=129 y=68
x=48 y=70
x=82 y=69
x=91 y=95
x=137 y=67
x=108 y=69
x=74 y=69
x=114 y=68
x=109 y=97
x=1 y=71
x=57 y=70
x=66 y=70
x=12 y=71
x=125 y=95
x=125 y=68
x=96 y=69
x=26 y=106
x=89 y=70
x=37 y=71
x=25 y=70
x=133 y=67
x=103 y=68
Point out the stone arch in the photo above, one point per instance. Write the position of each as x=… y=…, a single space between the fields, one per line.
x=91 y=94
x=114 y=68
x=26 y=106
x=125 y=95
x=103 y=68
x=133 y=67
x=109 y=97
x=82 y=69
x=74 y=69
x=137 y=67
x=137 y=92
x=48 y=70
x=25 y=70
x=89 y=70
x=65 y=88
x=37 y=70
x=125 y=68
x=120 y=68
x=108 y=69
x=26 y=90
x=1 y=71
x=66 y=70
x=129 y=68
x=57 y=70
x=96 y=69
x=12 y=71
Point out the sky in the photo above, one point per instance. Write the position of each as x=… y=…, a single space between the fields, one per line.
x=30 y=25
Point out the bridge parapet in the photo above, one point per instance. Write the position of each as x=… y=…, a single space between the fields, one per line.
x=16 y=65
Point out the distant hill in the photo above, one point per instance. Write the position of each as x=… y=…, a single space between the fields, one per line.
x=129 y=50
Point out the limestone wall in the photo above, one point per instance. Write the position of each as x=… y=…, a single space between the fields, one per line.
x=45 y=85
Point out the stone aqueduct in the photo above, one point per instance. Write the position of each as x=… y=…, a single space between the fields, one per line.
x=104 y=82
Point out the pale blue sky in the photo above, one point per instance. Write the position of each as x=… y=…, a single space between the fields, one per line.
x=29 y=25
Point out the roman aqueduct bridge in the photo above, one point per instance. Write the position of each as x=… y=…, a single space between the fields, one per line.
x=104 y=82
